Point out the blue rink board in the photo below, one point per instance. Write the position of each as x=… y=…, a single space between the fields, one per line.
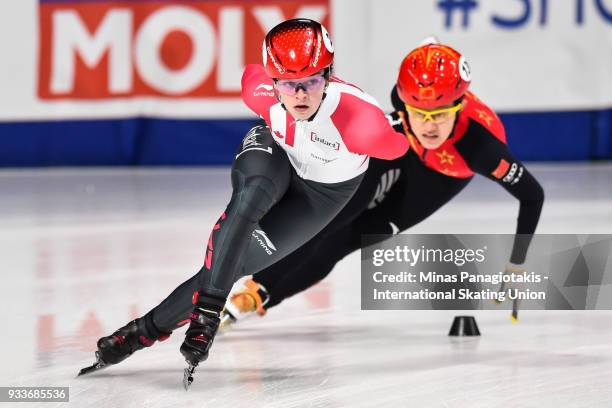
x=573 y=136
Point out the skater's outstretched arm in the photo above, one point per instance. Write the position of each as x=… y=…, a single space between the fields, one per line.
x=490 y=157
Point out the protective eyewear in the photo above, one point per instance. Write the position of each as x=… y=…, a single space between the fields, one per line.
x=309 y=84
x=436 y=116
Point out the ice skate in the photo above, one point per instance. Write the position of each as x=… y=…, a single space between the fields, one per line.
x=121 y=344
x=198 y=339
x=247 y=301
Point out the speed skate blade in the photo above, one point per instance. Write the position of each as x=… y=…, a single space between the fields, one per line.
x=98 y=365
x=515 y=310
x=227 y=319
x=188 y=377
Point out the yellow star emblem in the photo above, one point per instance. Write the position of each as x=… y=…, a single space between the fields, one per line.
x=445 y=157
x=484 y=116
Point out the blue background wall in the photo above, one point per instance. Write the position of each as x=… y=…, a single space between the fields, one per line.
x=585 y=135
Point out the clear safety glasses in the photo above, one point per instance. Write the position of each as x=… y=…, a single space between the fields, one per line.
x=309 y=84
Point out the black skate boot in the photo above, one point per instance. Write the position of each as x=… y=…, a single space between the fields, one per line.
x=134 y=336
x=199 y=337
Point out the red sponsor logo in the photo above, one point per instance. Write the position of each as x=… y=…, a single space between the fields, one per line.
x=501 y=169
x=167 y=48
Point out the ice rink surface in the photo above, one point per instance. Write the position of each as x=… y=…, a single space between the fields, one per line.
x=84 y=251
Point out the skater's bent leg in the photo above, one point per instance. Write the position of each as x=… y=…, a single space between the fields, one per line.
x=260 y=176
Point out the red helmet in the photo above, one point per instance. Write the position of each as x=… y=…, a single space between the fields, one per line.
x=297 y=48
x=433 y=75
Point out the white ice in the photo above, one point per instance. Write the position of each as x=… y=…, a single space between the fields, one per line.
x=84 y=251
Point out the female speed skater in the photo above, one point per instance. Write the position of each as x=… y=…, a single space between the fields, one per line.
x=452 y=135
x=292 y=174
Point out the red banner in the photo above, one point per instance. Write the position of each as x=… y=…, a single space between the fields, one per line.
x=178 y=49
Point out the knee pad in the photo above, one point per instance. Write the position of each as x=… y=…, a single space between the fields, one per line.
x=254 y=197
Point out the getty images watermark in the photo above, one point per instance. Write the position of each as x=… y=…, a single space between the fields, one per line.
x=464 y=272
